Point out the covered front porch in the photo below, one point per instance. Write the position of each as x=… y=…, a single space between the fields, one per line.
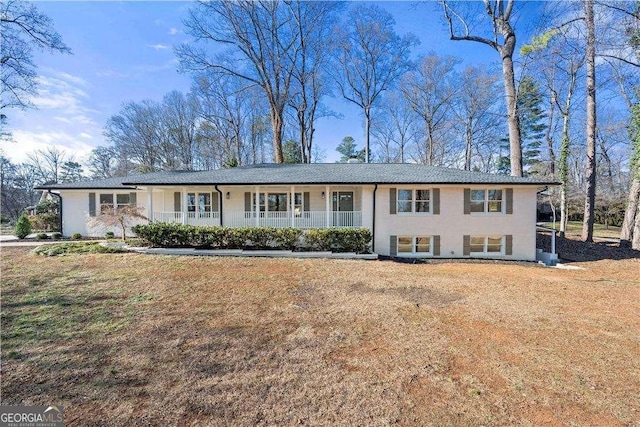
x=302 y=207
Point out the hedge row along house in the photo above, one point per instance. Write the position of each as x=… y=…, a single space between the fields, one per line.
x=412 y=210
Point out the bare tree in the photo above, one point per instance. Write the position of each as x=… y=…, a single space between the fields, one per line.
x=314 y=22
x=477 y=97
x=430 y=92
x=181 y=116
x=371 y=57
x=225 y=110
x=102 y=162
x=23 y=28
x=590 y=200
x=121 y=216
x=47 y=164
x=262 y=39
x=137 y=134
x=394 y=128
x=501 y=37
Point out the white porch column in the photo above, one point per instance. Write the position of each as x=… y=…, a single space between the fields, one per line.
x=184 y=205
x=257 y=206
x=327 y=203
x=293 y=206
x=150 y=203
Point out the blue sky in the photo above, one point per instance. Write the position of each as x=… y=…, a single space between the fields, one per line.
x=123 y=51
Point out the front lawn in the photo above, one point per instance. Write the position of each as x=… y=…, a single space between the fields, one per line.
x=128 y=339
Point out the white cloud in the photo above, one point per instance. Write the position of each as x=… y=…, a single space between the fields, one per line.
x=173 y=31
x=29 y=141
x=158 y=46
x=63 y=119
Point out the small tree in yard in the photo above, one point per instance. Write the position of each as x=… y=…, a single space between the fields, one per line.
x=123 y=216
x=23 y=226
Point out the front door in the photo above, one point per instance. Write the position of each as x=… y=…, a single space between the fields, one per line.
x=343 y=208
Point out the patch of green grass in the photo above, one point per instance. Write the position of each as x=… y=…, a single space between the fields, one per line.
x=599 y=230
x=76 y=248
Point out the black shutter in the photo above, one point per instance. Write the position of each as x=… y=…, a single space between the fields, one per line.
x=508 y=244
x=467 y=201
x=393 y=245
x=177 y=199
x=393 y=205
x=247 y=201
x=133 y=199
x=436 y=245
x=215 y=201
x=92 y=204
x=466 y=245
x=509 y=200
x=306 y=201
x=435 y=196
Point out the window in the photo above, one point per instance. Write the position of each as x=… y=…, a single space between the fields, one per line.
x=106 y=202
x=123 y=200
x=191 y=202
x=298 y=204
x=486 y=245
x=486 y=201
x=204 y=202
x=413 y=201
x=414 y=245
x=262 y=202
x=277 y=202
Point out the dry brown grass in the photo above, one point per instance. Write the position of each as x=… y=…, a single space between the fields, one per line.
x=134 y=339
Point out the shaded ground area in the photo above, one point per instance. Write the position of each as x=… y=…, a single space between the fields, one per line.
x=571 y=248
x=126 y=339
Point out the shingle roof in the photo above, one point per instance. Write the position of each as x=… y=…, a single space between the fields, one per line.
x=315 y=173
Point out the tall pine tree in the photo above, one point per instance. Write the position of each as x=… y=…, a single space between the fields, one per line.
x=532 y=128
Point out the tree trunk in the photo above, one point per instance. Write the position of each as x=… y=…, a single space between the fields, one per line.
x=277 y=125
x=564 y=173
x=515 y=143
x=467 y=151
x=589 y=203
x=635 y=243
x=367 y=125
x=627 y=233
x=549 y=137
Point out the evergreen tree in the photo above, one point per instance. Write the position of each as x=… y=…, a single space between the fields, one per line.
x=531 y=116
x=23 y=226
x=349 y=150
x=292 y=152
x=532 y=127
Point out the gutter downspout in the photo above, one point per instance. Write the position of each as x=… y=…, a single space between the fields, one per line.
x=220 y=198
x=59 y=208
x=373 y=227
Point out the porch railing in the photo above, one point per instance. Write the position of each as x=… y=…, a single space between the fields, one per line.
x=304 y=220
x=194 y=218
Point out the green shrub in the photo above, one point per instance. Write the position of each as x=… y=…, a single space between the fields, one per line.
x=76 y=236
x=109 y=235
x=57 y=235
x=23 y=226
x=287 y=238
x=76 y=248
x=178 y=235
x=42 y=236
x=317 y=239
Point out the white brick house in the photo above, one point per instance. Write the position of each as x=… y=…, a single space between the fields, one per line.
x=412 y=210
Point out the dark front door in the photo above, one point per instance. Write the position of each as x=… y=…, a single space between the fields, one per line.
x=343 y=208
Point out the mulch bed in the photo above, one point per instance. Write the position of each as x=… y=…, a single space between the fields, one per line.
x=570 y=248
